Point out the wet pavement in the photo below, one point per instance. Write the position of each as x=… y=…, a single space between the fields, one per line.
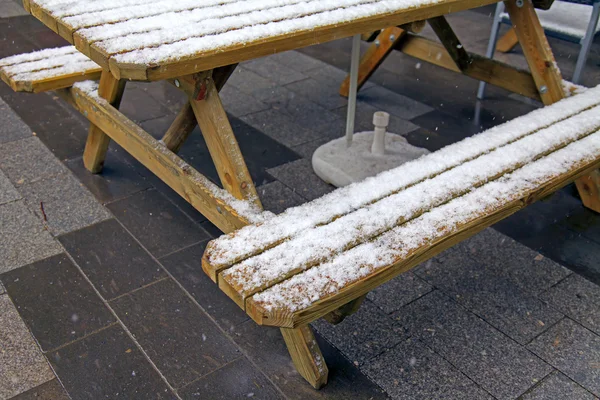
x=102 y=294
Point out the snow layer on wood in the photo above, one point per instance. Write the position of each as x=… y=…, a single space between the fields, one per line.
x=304 y=289
x=250 y=240
x=47 y=54
x=70 y=61
x=319 y=244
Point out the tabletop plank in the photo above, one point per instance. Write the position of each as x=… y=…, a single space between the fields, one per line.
x=160 y=39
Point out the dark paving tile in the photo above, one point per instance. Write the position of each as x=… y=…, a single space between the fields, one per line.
x=394 y=103
x=55 y=301
x=324 y=95
x=113 y=261
x=398 y=292
x=12 y=42
x=557 y=386
x=160 y=226
x=12 y=126
x=446 y=125
x=157 y=127
x=493 y=361
x=306 y=150
x=247 y=81
x=236 y=380
x=177 y=336
x=362 y=335
x=239 y=103
x=432 y=141
x=49 y=390
x=276 y=197
x=573 y=350
x=186 y=268
x=364 y=119
x=265 y=347
x=269 y=68
x=584 y=221
x=107 y=365
x=297 y=61
x=412 y=371
x=300 y=177
x=579 y=299
x=138 y=106
x=164 y=93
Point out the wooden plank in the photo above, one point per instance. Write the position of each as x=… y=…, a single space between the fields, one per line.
x=44 y=16
x=306 y=355
x=481 y=68
x=374 y=56
x=241 y=52
x=189 y=183
x=340 y=314
x=363 y=286
x=589 y=190
x=53 y=83
x=508 y=41
x=444 y=32
x=97 y=142
x=26 y=6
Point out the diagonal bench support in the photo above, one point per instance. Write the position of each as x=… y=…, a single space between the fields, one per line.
x=306 y=355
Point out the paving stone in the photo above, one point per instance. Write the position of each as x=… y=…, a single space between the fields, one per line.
x=300 y=177
x=265 y=347
x=107 y=365
x=412 y=371
x=270 y=69
x=362 y=335
x=297 y=61
x=281 y=127
x=23 y=238
x=325 y=95
x=185 y=266
x=573 y=350
x=7 y=191
x=27 y=161
x=247 y=81
x=579 y=299
x=239 y=103
x=2 y=289
x=557 y=386
x=492 y=360
x=49 y=390
x=331 y=75
x=276 y=197
x=447 y=125
x=306 y=150
x=394 y=103
x=163 y=92
x=113 y=261
x=63 y=203
x=236 y=380
x=138 y=106
x=159 y=226
x=12 y=126
x=398 y=292
x=364 y=119
x=177 y=336
x=491 y=293
x=432 y=141
x=22 y=365
x=55 y=301
x=10 y=9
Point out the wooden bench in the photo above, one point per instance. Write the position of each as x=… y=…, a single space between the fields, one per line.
x=320 y=259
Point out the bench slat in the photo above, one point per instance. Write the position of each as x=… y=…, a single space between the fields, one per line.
x=320 y=244
x=322 y=289
x=254 y=239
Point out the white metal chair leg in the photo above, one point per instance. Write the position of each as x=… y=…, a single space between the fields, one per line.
x=492 y=44
x=354 y=64
x=586 y=42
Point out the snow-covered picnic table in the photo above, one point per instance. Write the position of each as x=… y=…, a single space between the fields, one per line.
x=319 y=259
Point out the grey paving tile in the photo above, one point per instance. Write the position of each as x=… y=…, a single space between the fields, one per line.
x=276 y=197
x=247 y=81
x=22 y=364
x=28 y=160
x=23 y=238
x=185 y=266
x=67 y=205
x=394 y=103
x=12 y=126
x=177 y=336
x=412 y=371
x=493 y=361
x=300 y=177
x=138 y=106
x=49 y=390
x=325 y=95
x=113 y=261
x=398 y=292
x=297 y=61
x=160 y=226
x=364 y=119
x=363 y=335
x=306 y=150
x=573 y=350
x=236 y=380
x=107 y=365
x=557 y=386
x=579 y=299
x=269 y=68
x=10 y=9
x=280 y=127
x=331 y=75
x=239 y=103
x=8 y=192
x=2 y=288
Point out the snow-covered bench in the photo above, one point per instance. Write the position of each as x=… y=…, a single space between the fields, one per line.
x=320 y=259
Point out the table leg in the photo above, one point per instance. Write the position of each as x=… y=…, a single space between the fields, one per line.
x=306 y=355
x=338 y=315
x=547 y=78
x=97 y=143
x=508 y=41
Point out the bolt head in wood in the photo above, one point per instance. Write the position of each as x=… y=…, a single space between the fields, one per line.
x=519 y=3
x=177 y=84
x=543 y=89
